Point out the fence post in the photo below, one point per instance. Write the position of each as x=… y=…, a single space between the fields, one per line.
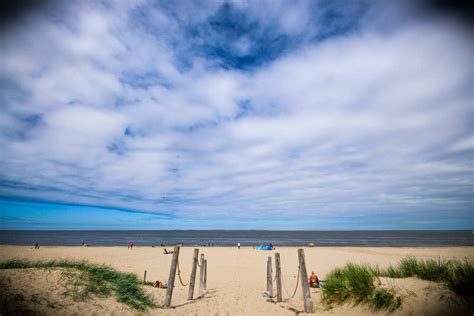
x=205 y=275
x=308 y=305
x=193 y=274
x=278 y=277
x=169 y=289
x=144 y=277
x=269 y=277
x=201 y=276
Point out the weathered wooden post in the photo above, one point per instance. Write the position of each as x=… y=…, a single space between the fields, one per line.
x=205 y=275
x=269 y=277
x=278 y=277
x=201 y=276
x=144 y=277
x=169 y=289
x=308 y=305
x=193 y=274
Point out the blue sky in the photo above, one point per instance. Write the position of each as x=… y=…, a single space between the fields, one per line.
x=236 y=115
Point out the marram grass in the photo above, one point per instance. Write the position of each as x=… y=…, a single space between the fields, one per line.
x=457 y=275
x=359 y=283
x=99 y=280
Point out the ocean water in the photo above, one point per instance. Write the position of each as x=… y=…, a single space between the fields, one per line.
x=245 y=237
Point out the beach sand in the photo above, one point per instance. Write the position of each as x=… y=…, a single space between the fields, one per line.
x=236 y=280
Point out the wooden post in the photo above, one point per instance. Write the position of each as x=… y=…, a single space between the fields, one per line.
x=201 y=276
x=205 y=275
x=278 y=277
x=269 y=277
x=193 y=274
x=144 y=277
x=169 y=289
x=308 y=305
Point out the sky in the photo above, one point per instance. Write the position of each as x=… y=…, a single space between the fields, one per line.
x=345 y=115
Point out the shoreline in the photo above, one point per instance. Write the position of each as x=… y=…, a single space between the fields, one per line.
x=245 y=238
x=235 y=247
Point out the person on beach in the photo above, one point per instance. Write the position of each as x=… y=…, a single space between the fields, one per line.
x=160 y=285
x=37 y=246
x=238 y=245
x=313 y=280
x=131 y=245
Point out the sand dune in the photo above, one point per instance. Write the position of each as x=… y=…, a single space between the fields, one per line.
x=236 y=280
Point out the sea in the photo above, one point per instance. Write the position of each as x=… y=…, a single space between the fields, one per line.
x=244 y=237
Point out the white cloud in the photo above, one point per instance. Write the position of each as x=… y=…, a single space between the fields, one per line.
x=356 y=123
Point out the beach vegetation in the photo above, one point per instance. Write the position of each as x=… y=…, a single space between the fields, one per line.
x=358 y=284
x=85 y=279
x=457 y=275
x=385 y=298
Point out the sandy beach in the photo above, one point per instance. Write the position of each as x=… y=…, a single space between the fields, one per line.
x=236 y=279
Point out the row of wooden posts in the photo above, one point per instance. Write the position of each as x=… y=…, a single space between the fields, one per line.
x=308 y=305
x=192 y=280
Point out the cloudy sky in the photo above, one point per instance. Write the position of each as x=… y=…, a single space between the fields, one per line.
x=236 y=115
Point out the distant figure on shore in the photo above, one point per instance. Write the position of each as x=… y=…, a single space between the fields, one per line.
x=166 y=252
x=131 y=245
x=238 y=245
x=313 y=280
x=37 y=246
x=161 y=285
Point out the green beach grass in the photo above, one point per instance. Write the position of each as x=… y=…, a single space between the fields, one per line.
x=357 y=283
x=91 y=279
x=360 y=284
x=457 y=275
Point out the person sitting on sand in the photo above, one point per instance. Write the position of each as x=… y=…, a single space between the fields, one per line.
x=313 y=280
x=160 y=285
x=168 y=252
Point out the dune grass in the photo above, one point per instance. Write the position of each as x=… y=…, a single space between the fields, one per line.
x=357 y=283
x=88 y=279
x=457 y=275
